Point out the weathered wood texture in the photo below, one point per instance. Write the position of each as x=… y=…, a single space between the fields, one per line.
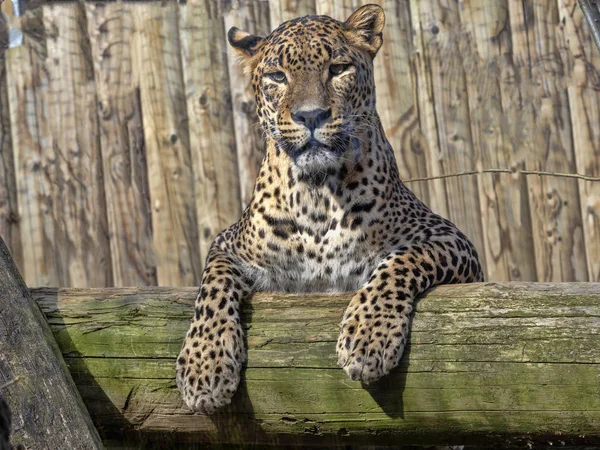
x=427 y=119
x=165 y=118
x=78 y=206
x=212 y=133
x=582 y=60
x=455 y=151
x=157 y=61
x=489 y=69
x=282 y=10
x=554 y=203
x=251 y=16
x=486 y=362
x=47 y=409
x=9 y=214
x=110 y=27
x=55 y=136
x=396 y=80
x=28 y=102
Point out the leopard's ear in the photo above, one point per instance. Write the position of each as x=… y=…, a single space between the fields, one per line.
x=245 y=44
x=364 y=28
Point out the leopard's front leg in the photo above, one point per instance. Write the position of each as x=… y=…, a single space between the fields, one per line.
x=210 y=361
x=375 y=326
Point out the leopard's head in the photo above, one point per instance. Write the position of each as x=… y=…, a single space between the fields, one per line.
x=314 y=86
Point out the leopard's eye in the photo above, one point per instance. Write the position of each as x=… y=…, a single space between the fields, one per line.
x=338 y=69
x=278 y=77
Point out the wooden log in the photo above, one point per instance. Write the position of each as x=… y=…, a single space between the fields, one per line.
x=110 y=30
x=486 y=363
x=47 y=410
x=157 y=61
x=212 y=134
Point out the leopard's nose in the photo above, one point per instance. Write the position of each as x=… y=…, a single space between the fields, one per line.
x=312 y=119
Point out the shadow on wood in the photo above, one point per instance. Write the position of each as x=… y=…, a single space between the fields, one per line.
x=86 y=382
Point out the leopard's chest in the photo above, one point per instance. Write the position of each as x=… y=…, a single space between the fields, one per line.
x=338 y=261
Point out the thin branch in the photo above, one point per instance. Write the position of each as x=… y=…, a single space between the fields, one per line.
x=521 y=172
x=579 y=176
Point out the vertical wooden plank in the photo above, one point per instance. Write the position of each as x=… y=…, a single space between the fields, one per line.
x=28 y=85
x=339 y=9
x=397 y=96
x=251 y=16
x=79 y=208
x=282 y=10
x=508 y=250
x=582 y=59
x=174 y=220
x=423 y=66
x=212 y=134
x=9 y=213
x=441 y=37
x=110 y=27
x=554 y=202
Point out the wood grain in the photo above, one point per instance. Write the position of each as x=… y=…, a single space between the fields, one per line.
x=395 y=81
x=506 y=224
x=34 y=159
x=461 y=86
x=338 y=9
x=157 y=61
x=212 y=132
x=423 y=63
x=486 y=363
x=282 y=10
x=439 y=42
x=558 y=233
x=110 y=27
x=582 y=60
x=9 y=210
x=81 y=246
x=251 y=16
x=46 y=408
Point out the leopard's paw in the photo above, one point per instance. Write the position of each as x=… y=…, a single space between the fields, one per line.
x=209 y=365
x=371 y=342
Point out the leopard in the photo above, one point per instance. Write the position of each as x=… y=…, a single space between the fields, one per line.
x=328 y=213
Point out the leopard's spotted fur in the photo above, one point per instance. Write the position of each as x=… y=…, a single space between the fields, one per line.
x=329 y=212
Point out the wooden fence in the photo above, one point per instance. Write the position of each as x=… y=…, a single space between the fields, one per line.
x=128 y=135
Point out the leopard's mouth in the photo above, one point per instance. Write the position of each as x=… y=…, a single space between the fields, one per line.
x=314 y=145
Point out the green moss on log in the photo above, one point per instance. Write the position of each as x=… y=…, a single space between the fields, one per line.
x=517 y=361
